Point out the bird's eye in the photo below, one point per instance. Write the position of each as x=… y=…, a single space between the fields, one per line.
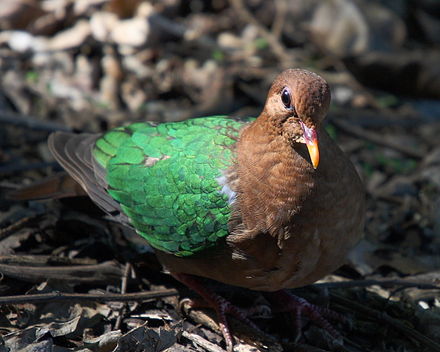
x=286 y=98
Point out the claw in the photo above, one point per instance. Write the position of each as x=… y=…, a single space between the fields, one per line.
x=284 y=301
x=220 y=304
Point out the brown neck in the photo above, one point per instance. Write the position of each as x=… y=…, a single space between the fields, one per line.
x=266 y=126
x=274 y=177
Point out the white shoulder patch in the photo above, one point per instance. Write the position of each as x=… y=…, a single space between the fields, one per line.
x=223 y=181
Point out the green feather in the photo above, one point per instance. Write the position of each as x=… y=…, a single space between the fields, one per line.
x=165 y=178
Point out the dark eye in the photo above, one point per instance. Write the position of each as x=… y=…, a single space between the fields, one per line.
x=286 y=98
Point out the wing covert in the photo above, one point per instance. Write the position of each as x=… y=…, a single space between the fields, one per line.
x=166 y=179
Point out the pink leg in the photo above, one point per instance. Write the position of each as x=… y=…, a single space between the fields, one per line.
x=221 y=306
x=284 y=301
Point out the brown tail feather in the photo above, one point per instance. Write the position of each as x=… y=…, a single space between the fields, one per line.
x=74 y=153
x=57 y=186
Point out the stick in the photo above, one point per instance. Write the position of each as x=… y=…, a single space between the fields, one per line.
x=280 y=18
x=200 y=341
x=99 y=273
x=102 y=297
x=123 y=310
x=21 y=167
x=377 y=118
x=41 y=260
x=18 y=225
x=30 y=122
x=384 y=283
x=395 y=323
x=277 y=48
x=377 y=139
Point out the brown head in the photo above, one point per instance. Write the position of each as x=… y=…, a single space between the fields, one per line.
x=296 y=105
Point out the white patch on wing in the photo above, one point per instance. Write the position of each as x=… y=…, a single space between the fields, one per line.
x=223 y=181
x=151 y=161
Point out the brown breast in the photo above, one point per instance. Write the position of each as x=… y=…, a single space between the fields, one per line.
x=292 y=224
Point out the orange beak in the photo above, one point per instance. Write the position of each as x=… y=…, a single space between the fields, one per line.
x=311 y=138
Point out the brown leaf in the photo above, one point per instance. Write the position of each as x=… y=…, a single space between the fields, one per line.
x=146 y=339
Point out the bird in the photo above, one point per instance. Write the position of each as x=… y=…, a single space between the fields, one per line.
x=268 y=203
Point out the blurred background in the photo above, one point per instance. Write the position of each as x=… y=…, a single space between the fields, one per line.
x=90 y=65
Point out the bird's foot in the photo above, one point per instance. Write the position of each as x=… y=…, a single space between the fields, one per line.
x=281 y=301
x=284 y=301
x=220 y=304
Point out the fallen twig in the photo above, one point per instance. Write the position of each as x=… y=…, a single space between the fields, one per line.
x=200 y=341
x=15 y=167
x=30 y=122
x=101 y=297
x=373 y=118
x=42 y=260
x=381 y=316
x=123 y=310
x=6 y=231
x=100 y=273
x=384 y=283
x=276 y=46
x=280 y=18
x=376 y=138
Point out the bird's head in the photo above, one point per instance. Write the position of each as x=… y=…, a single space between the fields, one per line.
x=296 y=105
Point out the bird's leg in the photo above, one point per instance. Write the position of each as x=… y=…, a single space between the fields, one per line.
x=220 y=304
x=284 y=301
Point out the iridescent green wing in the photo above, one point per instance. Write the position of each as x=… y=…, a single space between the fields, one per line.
x=167 y=179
